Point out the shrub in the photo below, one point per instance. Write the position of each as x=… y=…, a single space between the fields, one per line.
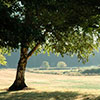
x=91 y=71
x=45 y=64
x=61 y=64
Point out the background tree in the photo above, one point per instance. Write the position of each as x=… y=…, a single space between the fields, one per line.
x=58 y=26
x=45 y=64
x=61 y=64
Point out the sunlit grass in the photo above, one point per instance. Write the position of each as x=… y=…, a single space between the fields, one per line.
x=51 y=87
x=70 y=71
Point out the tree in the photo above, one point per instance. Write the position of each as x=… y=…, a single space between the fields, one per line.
x=61 y=64
x=58 y=26
x=45 y=64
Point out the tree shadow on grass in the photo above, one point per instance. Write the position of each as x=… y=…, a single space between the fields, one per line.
x=27 y=95
x=38 y=96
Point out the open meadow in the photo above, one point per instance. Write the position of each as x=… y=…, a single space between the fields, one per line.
x=50 y=87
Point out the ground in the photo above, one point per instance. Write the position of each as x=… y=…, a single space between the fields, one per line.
x=50 y=87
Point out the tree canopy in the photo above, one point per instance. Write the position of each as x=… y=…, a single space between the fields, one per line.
x=60 y=26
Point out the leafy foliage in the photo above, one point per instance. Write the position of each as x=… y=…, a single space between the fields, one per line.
x=59 y=26
x=2 y=58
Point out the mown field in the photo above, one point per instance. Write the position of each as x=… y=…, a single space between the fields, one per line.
x=51 y=86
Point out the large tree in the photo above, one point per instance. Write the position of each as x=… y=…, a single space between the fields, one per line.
x=57 y=26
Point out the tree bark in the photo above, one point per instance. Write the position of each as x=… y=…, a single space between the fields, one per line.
x=19 y=82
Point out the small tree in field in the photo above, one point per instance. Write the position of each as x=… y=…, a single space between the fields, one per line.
x=61 y=64
x=45 y=64
x=57 y=26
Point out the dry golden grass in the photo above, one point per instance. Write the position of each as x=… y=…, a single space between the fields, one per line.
x=51 y=87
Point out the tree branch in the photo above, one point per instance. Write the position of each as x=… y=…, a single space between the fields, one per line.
x=33 y=50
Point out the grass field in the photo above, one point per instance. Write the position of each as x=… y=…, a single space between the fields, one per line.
x=50 y=87
x=69 y=71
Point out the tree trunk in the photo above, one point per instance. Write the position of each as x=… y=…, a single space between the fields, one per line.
x=19 y=82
